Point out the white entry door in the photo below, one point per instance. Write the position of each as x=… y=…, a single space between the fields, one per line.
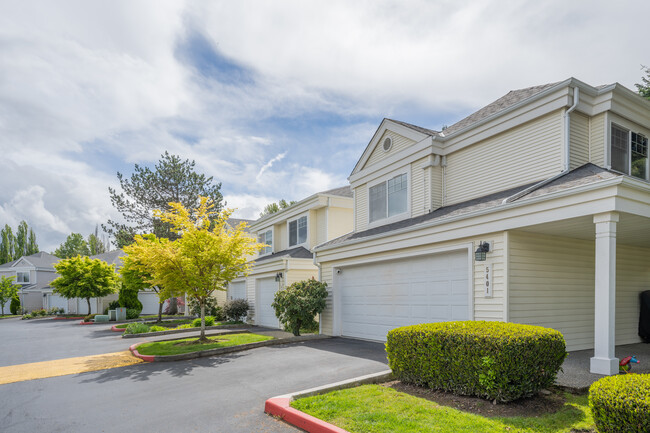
x=266 y=288
x=378 y=297
x=237 y=290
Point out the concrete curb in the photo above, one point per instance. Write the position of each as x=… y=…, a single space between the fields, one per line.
x=280 y=406
x=180 y=331
x=221 y=350
x=114 y=328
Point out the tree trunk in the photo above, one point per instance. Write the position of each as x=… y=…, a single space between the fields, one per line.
x=173 y=305
x=89 y=310
x=202 y=337
x=3 y=308
x=160 y=305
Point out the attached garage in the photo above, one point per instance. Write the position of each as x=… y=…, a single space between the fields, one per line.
x=266 y=289
x=379 y=296
x=149 y=301
x=237 y=290
x=58 y=302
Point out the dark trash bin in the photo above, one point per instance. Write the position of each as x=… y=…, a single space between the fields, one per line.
x=644 y=317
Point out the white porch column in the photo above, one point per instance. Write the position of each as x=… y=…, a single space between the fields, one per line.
x=604 y=360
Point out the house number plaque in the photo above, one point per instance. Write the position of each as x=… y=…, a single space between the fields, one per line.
x=488 y=281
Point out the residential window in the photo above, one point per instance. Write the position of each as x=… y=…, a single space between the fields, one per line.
x=629 y=152
x=22 y=277
x=266 y=238
x=298 y=231
x=388 y=198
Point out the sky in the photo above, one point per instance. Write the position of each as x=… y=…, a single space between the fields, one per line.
x=273 y=99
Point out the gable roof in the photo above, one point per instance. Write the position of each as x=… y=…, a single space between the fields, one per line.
x=38 y=260
x=586 y=174
x=111 y=257
x=234 y=222
x=294 y=253
x=343 y=191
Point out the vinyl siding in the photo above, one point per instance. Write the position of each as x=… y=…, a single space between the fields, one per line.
x=295 y=275
x=552 y=285
x=484 y=308
x=361 y=207
x=525 y=154
x=418 y=185
x=339 y=222
x=378 y=154
x=597 y=140
x=436 y=187
x=320 y=229
x=281 y=237
x=579 y=140
x=221 y=297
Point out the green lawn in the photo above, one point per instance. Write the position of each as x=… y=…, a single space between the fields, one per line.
x=173 y=348
x=378 y=409
x=170 y=324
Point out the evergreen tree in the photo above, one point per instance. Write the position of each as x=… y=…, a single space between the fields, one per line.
x=644 y=87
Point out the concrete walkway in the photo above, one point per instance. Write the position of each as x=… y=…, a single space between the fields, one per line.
x=576 y=366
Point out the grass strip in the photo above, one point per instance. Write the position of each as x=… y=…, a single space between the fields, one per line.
x=167 y=324
x=174 y=348
x=378 y=409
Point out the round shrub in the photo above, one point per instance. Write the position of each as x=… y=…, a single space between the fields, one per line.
x=621 y=403
x=297 y=305
x=136 y=328
x=236 y=309
x=132 y=313
x=209 y=321
x=493 y=360
x=128 y=298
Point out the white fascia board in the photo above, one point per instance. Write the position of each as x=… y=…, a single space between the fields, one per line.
x=280 y=263
x=633 y=112
x=312 y=202
x=395 y=127
x=19 y=263
x=400 y=159
x=584 y=200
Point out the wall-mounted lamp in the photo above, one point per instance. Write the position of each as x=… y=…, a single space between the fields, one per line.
x=338 y=271
x=278 y=277
x=481 y=252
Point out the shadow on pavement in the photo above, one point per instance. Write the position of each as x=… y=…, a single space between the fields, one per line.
x=145 y=371
x=369 y=350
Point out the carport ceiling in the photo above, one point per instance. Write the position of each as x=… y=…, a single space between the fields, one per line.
x=631 y=229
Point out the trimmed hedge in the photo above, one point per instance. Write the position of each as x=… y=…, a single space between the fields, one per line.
x=493 y=360
x=621 y=403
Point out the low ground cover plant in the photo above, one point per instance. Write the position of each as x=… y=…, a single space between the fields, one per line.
x=381 y=409
x=173 y=325
x=187 y=345
x=137 y=328
x=621 y=403
x=492 y=360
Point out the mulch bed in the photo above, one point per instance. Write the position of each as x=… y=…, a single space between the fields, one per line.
x=533 y=406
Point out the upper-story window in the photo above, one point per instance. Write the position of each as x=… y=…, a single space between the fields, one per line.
x=266 y=238
x=629 y=152
x=22 y=277
x=388 y=198
x=298 y=231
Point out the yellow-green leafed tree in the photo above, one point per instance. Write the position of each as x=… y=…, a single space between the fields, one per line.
x=206 y=257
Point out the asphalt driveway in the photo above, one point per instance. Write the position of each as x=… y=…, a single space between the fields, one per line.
x=222 y=394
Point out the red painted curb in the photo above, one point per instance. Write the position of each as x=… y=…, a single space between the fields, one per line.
x=114 y=328
x=86 y=323
x=134 y=351
x=280 y=407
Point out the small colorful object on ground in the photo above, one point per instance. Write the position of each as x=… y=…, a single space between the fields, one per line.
x=625 y=366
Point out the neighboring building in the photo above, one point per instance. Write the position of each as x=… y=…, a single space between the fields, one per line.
x=290 y=235
x=33 y=273
x=554 y=178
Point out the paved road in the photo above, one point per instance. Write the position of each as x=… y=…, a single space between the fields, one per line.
x=218 y=394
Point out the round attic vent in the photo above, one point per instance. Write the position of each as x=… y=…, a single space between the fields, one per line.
x=388 y=143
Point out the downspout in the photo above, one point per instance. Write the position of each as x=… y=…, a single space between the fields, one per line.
x=567 y=152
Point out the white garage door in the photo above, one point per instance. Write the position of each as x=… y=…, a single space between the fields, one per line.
x=237 y=290
x=266 y=288
x=378 y=297
x=58 y=301
x=149 y=302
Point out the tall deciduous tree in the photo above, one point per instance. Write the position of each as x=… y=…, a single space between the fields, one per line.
x=7 y=244
x=172 y=180
x=83 y=277
x=276 y=207
x=8 y=290
x=32 y=246
x=206 y=256
x=22 y=240
x=13 y=247
x=95 y=243
x=644 y=87
x=74 y=245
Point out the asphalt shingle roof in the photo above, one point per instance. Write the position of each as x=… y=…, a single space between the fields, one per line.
x=111 y=257
x=586 y=174
x=39 y=260
x=344 y=191
x=294 y=253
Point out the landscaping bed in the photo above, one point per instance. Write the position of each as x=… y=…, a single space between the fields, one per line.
x=398 y=407
x=188 y=345
x=158 y=329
